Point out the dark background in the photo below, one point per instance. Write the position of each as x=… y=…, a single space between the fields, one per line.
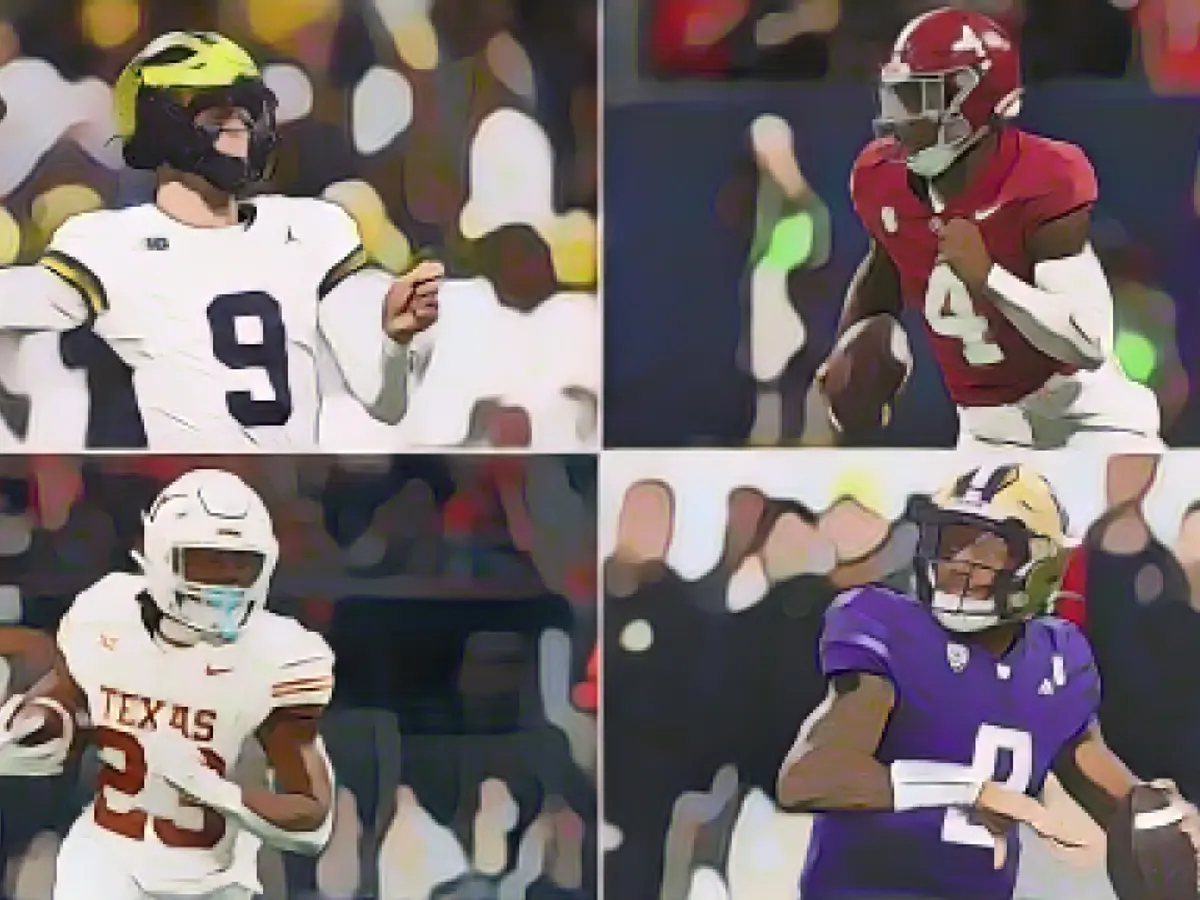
x=715 y=591
x=461 y=659
x=690 y=213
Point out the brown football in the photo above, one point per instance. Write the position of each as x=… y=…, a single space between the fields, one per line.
x=52 y=726
x=865 y=372
x=1149 y=856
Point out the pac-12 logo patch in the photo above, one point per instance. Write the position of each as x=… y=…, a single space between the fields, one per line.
x=958 y=656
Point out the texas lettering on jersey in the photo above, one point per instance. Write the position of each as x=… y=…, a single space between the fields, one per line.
x=144 y=713
x=985 y=360
x=215 y=696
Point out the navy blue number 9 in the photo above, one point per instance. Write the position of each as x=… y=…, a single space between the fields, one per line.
x=270 y=355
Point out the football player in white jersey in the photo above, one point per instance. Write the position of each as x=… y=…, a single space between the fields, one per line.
x=175 y=669
x=219 y=305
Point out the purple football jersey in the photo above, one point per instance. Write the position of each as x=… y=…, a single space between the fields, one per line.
x=955 y=702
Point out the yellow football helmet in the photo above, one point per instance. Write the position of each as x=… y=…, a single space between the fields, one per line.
x=179 y=75
x=1011 y=503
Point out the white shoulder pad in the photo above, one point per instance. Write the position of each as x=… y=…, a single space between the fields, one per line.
x=301 y=663
x=110 y=601
x=336 y=242
x=76 y=253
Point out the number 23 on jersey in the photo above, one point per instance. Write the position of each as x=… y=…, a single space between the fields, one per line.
x=124 y=773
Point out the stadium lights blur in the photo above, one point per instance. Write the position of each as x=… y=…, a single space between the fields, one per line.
x=1137 y=355
x=110 y=23
x=10 y=238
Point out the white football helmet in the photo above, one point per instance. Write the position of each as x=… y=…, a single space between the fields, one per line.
x=207 y=509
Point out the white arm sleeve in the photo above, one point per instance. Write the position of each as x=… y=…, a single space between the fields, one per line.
x=1068 y=316
x=374 y=366
x=38 y=298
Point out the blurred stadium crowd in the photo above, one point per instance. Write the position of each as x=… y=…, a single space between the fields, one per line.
x=759 y=203
x=718 y=571
x=459 y=597
x=464 y=129
x=793 y=39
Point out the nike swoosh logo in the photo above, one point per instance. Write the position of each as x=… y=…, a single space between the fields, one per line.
x=212 y=670
x=987 y=213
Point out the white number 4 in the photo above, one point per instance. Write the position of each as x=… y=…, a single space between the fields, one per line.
x=957 y=828
x=951 y=313
x=970 y=41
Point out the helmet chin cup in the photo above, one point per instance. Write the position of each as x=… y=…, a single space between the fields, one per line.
x=963 y=615
x=964 y=623
x=932 y=161
x=936 y=159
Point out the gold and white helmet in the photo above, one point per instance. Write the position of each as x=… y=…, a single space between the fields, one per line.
x=212 y=517
x=1007 y=503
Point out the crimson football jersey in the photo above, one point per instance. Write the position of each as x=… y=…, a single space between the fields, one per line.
x=1031 y=180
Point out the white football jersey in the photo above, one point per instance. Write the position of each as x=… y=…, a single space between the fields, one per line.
x=221 y=326
x=216 y=696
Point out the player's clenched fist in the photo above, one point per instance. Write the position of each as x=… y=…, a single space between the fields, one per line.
x=411 y=305
x=961 y=247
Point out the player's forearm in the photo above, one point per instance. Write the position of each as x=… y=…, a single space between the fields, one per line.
x=829 y=779
x=874 y=289
x=30 y=653
x=289 y=812
x=1067 y=316
x=293 y=822
x=374 y=366
x=389 y=401
x=34 y=299
x=1094 y=776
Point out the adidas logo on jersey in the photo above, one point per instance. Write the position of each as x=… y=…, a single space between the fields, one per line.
x=1045 y=689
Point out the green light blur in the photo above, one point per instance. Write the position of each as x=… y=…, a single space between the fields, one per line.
x=1137 y=355
x=791 y=243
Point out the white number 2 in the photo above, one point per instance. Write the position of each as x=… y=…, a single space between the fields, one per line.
x=951 y=313
x=991 y=739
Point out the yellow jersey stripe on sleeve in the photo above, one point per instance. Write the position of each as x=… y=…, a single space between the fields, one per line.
x=78 y=276
x=356 y=261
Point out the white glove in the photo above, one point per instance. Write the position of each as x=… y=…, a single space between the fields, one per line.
x=177 y=761
x=18 y=760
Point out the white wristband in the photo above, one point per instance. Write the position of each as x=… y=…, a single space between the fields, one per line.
x=917 y=784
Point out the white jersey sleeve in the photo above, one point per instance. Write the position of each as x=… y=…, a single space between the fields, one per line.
x=302 y=670
x=351 y=293
x=96 y=614
x=61 y=292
